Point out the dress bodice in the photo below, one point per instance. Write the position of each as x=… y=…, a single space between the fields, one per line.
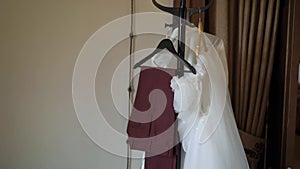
x=187 y=99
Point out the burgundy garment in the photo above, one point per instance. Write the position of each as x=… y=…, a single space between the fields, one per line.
x=159 y=119
x=160 y=162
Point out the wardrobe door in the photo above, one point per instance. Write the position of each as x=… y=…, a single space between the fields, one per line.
x=282 y=139
x=292 y=136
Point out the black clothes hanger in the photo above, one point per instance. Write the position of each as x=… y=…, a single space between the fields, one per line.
x=166 y=44
x=181 y=13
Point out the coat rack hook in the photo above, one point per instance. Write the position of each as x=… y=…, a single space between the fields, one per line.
x=193 y=11
x=173 y=11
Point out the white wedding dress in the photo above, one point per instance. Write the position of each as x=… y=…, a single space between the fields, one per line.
x=206 y=124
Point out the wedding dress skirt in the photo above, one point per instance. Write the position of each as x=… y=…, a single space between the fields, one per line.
x=223 y=149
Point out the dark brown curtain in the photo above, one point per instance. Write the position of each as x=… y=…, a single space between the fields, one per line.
x=252 y=56
x=248 y=29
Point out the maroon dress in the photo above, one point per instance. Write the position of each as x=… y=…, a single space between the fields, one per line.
x=145 y=123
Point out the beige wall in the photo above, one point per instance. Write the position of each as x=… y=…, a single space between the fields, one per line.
x=39 y=43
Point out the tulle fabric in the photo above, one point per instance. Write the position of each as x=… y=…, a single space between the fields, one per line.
x=222 y=151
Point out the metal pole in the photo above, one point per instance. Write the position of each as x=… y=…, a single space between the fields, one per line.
x=181 y=52
x=181 y=36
